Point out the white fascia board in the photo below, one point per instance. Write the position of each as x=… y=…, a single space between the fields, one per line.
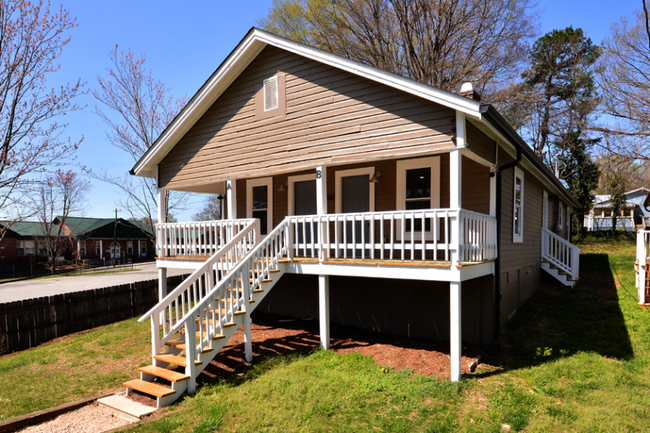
x=203 y=100
x=242 y=57
x=424 y=91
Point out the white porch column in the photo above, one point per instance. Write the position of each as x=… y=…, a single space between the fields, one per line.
x=162 y=219
x=101 y=250
x=455 y=338
x=493 y=194
x=324 y=310
x=231 y=197
x=323 y=280
x=79 y=249
x=139 y=249
x=455 y=164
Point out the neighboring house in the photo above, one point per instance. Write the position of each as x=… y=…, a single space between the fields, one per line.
x=353 y=195
x=633 y=214
x=20 y=242
x=93 y=238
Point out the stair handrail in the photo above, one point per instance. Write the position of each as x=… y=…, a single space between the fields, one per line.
x=215 y=258
x=561 y=253
x=258 y=263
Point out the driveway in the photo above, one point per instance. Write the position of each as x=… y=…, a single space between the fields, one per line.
x=29 y=289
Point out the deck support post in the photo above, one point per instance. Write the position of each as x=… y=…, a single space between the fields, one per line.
x=162 y=219
x=324 y=310
x=455 y=338
x=246 y=286
x=231 y=197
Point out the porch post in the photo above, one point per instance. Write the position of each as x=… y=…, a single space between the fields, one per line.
x=78 y=249
x=162 y=219
x=455 y=164
x=324 y=310
x=323 y=280
x=455 y=339
x=101 y=250
x=231 y=188
x=139 y=249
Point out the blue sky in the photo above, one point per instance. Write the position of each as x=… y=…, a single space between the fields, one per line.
x=185 y=41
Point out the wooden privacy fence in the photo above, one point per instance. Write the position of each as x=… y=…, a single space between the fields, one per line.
x=30 y=322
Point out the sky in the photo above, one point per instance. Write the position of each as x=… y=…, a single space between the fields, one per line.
x=185 y=41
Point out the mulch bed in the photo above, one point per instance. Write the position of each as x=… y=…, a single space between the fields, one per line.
x=274 y=335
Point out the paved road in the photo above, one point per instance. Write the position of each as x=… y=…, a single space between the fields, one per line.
x=30 y=289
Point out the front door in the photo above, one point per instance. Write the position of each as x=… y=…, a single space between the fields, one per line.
x=356 y=193
x=304 y=203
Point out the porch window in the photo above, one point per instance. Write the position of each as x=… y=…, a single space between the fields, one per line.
x=98 y=249
x=143 y=248
x=82 y=248
x=129 y=248
x=518 y=207
x=418 y=187
x=25 y=248
x=259 y=202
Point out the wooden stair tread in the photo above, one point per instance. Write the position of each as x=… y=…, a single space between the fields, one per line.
x=149 y=388
x=175 y=359
x=169 y=375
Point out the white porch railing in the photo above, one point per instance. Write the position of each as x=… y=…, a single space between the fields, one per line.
x=193 y=239
x=641 y=265
x=561 y=253
x=396 y=235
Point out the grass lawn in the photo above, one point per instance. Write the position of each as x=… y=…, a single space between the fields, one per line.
x=571 y=360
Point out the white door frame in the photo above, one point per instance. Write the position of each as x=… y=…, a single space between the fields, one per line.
x=262 y=181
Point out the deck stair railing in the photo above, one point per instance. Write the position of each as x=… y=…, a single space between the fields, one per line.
x=561 y=253
x=395 y=235
x=216 y=299
x=170 y=314
x=196 y=239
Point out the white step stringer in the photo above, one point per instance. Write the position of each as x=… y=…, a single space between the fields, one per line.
x=211 y=304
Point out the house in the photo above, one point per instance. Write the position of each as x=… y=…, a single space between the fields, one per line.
x=352 y=195
x=20 y=242
x=96 y=239
x=634 y=212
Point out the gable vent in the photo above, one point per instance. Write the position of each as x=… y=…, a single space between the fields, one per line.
x=271 y=93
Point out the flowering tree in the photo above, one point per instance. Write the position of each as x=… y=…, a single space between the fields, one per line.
x=139 y=111
x=31 y=40
x=59 y=196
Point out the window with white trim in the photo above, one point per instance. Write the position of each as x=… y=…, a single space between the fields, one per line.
x=129 y=248
x=418 y=187
x=259 y=202
x=25 y=248
x=143 y=248
x=82 y=248
x=98 y=248
x=518 y=207
x=560 y=217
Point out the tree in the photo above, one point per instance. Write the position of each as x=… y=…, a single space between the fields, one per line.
x=140 y=110
x=634 y=174
x=580 y=173
x=440 y=43
x=31 y=41
x=211 y=210
x=59 y=196
x=558 y=94
x=616 y=188
x=625 y=83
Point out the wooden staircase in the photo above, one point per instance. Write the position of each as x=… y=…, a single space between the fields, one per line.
x=560 y=275
x=207 y=309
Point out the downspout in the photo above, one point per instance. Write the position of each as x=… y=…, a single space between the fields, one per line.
x=497 y=265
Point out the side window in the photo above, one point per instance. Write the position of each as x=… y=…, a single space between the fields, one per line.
x=98 y=249
x=143 y=248
x=259 y=202
x=82 y=248
x=25 y=248
x=518 y=207
x=129 y=248
x=560 y=217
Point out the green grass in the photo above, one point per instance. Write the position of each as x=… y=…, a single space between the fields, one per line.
x=73 y=368
x=572 y=360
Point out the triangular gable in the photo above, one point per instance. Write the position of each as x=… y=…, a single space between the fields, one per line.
x=247 y=50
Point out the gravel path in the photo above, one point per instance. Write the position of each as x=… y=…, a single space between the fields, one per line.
x=89 y=419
